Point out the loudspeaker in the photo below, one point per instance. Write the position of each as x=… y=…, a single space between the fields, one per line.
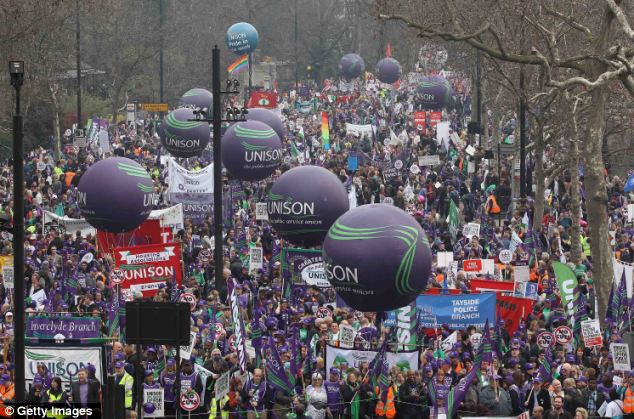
x=152 y=323
x=473 y=128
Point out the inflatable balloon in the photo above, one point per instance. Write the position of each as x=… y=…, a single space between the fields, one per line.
x=269 y=117
x=115 y=195
x=304 y=202
x=377 y=257
x=251 y=150
x=182 y=137
x=435 y=92
x=388 y=70
x=351 y=66
x=149 y=408
x=197 y=98
x=242 y=38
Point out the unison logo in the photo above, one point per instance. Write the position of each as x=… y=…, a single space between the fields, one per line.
x=277 y=206
x=407 y=234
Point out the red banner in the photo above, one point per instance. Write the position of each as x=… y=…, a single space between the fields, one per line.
x=511 y=310
x=440 y=291
x=419 y=122
x=484 y=285
x=472 y=265
x=147 y=267
x=150 y=232
x=434 y=118
x=260 y=99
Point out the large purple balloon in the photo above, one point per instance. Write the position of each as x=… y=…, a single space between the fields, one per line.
x=116 y=195
x=251 y=150
x=434 y=92
x=269 y=117
x=181 y=136
x=377 y=257
x=149 y=408
x=351 y=66
x=388 y=70
x=198 y=98
x=304 y=202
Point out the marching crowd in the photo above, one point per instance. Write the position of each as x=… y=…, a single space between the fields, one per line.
x=565 y=381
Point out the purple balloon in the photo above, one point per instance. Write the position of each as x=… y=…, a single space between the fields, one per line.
x=149 y=408
x=269 y=117
x=183 y=137
x=251 y=150
x=304 y=202
x=351 y=66
x=434 y=92
x=116 y=195
x=198 y=98
x=377 y=258
x=388 y=70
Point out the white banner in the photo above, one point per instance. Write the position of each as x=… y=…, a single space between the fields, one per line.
x=68 y=225
x=621 y=356
x=154 y=396
x=183 y=181
x=62 y=362
x=359 y=130
x=433 y=160
x=630 y=213
x=221 y=388
x=186 y=351
x=522 y=273
x=169 y=217
x=470 y=230
x=204 y=373
x=444 y=259
x=619 y=267
x=336 y=356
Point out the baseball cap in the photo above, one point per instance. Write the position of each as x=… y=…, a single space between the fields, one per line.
x=334 y=370
x=119 y=364
x=171 y=361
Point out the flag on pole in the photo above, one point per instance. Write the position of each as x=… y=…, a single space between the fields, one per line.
x=239 y=65
x=453 y=220
x=325 y=130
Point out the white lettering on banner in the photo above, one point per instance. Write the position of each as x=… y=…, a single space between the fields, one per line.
x=238 y=331
x=148 y=257
x=342 y=274
x=621 y=356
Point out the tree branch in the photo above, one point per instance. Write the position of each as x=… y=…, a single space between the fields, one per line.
x=571 y=22
x=621 y=18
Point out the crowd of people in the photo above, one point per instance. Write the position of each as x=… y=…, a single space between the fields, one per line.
x=581 y=381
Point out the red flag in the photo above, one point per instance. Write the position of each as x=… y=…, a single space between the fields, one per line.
x=260 y=99
x=388 y=50
x=511 y=309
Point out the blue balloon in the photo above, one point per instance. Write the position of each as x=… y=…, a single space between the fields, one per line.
x=242 y=38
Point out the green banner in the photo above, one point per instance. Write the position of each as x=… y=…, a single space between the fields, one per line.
x=567 y=283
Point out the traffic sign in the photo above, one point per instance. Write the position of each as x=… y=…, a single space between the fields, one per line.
x=563 y=335
x=219 y=329
x=323 y=312
x=190 y=400
x=117 y=275
x=545 y=340
x=154 y=107
x=188 y=298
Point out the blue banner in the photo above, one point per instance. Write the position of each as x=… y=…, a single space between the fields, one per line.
x=353 y=163
x=458 y=311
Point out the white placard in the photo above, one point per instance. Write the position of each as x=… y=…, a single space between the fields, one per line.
x=255 y=258
x=203 y=373
x=470 y=230
x=470 y=150
x=398 y=164
x=433 y=160
x=8 y=277
x=522 y=273
x=388 y=200
x=444 y=259
x=630 y=213
x=261 y=212
x=346 y=336
x=591 y=332
x=154 y=396
x=221 y=388
x=505 y=256
x=38 y=297
x=186 y=351
x=621 y=356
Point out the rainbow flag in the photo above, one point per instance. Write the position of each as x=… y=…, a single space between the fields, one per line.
x=239 y=65
x=325 y=130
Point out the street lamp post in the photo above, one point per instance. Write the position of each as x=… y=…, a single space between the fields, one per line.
x=16 y=70
x=233 y=115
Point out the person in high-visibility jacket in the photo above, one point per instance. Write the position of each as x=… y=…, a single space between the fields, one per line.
x=55 y=396
x=387 y=409
x=7 y=394
x=217 y=408
x=628 y=395
x=124 y=379
x=585 y=246
x=491 y=206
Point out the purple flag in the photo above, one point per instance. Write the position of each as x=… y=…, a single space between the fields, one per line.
x=240 y=336
x=275 y=370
